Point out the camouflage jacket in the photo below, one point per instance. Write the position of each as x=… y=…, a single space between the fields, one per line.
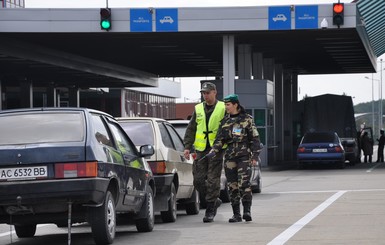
x=241 y=136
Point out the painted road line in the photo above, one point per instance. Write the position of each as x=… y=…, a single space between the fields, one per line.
x=321 y=191
x=292 y=230
x=372 y=168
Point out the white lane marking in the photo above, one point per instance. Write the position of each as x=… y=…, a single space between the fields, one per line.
x=297 y=226
x=13 y=230
x=321 y=191
x=372 y=168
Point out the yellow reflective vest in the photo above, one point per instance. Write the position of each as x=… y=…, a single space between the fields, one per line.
x=203 y=131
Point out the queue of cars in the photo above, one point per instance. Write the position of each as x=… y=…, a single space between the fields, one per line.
x=72 y=165
x=75 y=165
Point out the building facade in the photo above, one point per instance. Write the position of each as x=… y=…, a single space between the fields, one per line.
x=120 y=102
x=12 y=3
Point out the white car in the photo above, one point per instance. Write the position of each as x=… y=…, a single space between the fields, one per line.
x=172 y=171
x=180 y=125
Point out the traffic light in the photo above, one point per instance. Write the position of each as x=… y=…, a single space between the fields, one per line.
x=105 y=18
x=338 y=14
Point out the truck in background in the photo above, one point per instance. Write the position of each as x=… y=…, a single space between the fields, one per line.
x=331 y=113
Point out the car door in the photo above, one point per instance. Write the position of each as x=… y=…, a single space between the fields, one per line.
x=135 y=172
x=172 y=140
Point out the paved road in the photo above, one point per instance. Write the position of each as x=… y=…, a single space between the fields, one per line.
x=313 y=206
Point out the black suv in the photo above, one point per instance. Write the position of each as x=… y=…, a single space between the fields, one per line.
x=71 y=165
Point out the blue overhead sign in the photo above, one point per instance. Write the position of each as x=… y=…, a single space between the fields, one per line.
x=141 y=20
x=166 y=20
x=306 y=17
x=279 y=18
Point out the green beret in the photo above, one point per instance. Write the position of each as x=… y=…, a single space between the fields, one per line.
x=231 y=98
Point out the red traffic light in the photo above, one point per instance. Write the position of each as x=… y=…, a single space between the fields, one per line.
x=338 y=8
x=105 y=13
x=338 y=14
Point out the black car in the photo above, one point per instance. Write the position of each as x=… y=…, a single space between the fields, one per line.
x=58 y=164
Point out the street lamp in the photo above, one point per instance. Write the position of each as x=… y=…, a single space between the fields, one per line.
x=373 y=98
x=381 y=94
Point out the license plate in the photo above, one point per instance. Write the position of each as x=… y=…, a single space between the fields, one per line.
x=23 y=173
x=320 y=150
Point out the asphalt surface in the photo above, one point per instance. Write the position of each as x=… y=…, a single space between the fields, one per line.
x=319 y=205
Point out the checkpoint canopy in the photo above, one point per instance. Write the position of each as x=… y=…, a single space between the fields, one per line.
x=182 y=42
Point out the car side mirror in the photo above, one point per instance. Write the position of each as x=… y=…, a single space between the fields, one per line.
x=146 y=150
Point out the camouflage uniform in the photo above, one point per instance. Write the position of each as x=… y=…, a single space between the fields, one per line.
x=206 y=172
x=241 y=136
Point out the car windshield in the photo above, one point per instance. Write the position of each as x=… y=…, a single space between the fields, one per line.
x=319 y=138
x=41 y=128
x=140 y=132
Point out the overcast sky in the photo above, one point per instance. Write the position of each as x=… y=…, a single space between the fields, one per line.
x=355 y=85
x=163 y=3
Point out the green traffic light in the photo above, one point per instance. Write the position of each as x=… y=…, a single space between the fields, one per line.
x=105 y=24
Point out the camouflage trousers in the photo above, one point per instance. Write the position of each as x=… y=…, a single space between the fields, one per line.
x=238 y=174
x=207 y=175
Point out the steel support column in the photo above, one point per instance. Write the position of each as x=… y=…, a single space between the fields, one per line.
x=278 y=113
x=228 y=65
x=74 y=97
x=244 y=61
x=1 y=96
x=258 y=66
x=51 y=96
x=26 y=94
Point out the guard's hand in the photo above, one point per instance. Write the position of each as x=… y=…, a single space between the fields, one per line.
x=210 y=154
x=187 y=154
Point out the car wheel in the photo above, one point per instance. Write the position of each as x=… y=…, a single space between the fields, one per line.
x=147 y=224
x=193 y=207
x=170 y=214
x=352 y=161
x=225 y=195
x=62 y=225
x=301 y=166
x=342 y=165
x=23 y=231
x=103 y=221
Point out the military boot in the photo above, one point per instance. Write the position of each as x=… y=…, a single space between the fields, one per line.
x=237 y=214
x=210 y=212
x=246 y=211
